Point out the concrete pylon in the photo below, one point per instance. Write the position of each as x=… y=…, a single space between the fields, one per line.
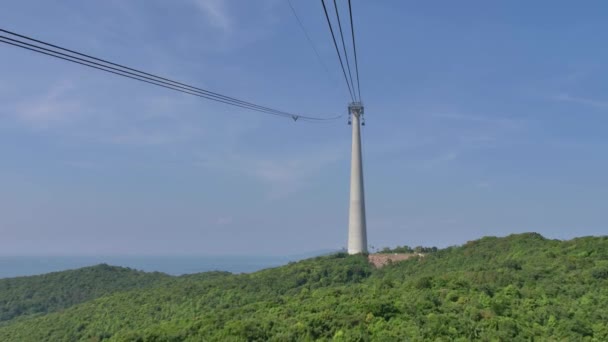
x=357 y=231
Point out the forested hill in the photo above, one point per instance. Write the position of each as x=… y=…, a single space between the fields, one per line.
x=59 y=290
x=518 y=288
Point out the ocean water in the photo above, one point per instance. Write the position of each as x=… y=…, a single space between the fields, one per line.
x=15 y=266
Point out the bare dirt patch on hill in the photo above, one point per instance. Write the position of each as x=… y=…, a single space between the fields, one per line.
x=380 y=260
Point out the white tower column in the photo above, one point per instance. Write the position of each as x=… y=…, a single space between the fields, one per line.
x=357 y=233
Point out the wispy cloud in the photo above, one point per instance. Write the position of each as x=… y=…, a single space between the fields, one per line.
x=483 y=184
x=440 y=159
x=234 y=24
x=224 y=221
x=52 y=108
x=76 y=115
x=282 y=175
x=216 y=12
x=492 y=120
x=81 y=164
x=286 y=176
x=150 y=137
x=582 y=100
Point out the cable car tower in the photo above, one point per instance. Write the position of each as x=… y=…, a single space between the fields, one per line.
x=357 y=230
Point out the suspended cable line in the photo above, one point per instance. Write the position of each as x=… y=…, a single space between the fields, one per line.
x=135 y=70
x=23 y=46
x=139 y=75
x=337 y=49
x=295 y=14
x=344 y=47
x=352 y=30
x=102 y=67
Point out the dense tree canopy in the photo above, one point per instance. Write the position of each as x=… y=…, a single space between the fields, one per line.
x=522 y=287
x=59 y=290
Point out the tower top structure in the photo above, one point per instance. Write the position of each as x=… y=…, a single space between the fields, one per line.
x=355 y=107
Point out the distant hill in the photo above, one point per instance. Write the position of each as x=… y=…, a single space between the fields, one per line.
x=517 y=288
x=59 y=290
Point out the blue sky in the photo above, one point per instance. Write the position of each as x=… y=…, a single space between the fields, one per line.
x=483 y=118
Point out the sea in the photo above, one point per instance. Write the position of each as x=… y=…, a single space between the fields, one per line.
x=16 y=266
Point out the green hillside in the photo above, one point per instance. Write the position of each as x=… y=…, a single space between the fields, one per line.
x=59 y=290
x=518 y=288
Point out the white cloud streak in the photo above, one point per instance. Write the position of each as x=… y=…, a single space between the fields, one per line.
x=582 y=100
x=217 y=14
x=50 y=109
x=282 y=175
x=491 y=120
